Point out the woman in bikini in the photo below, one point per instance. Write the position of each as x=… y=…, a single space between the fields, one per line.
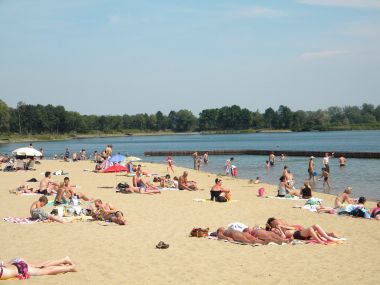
x=344 y=197
x=283 y=229
x=21 y=269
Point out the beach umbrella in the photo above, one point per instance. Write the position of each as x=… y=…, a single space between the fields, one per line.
x=27 y=151
x=132 y=158
x=116 y=158
x=115 y=168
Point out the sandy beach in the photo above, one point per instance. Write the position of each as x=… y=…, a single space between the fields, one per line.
x=127 y=254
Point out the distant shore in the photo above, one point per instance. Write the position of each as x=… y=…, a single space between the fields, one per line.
x=15 y=138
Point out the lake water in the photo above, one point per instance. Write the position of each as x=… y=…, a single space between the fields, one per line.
x=361 y=174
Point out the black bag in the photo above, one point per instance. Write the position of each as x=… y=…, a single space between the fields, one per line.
x=122 y=186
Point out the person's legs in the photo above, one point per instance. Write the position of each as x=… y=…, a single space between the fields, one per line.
x=269 y=236
x=64 y=261
x=323 y=234
x=309 y=232
x=51 y=270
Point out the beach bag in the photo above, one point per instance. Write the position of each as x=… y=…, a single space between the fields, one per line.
x=122 y=186
x=199 y=232
x=261 y=192
x=358 y=212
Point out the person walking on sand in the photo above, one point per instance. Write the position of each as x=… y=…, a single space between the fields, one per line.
x=170 y=163
x=310 y=169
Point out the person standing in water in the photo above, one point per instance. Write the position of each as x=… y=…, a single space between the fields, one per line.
x=272 y=158
x=205 y=157
x=311 y=168
x=342 y=161
x=227 y=166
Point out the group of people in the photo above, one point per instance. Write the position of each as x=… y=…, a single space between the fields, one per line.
x=197 y=159
x=277 y=230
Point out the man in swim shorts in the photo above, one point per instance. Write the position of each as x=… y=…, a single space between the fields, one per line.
x=37 y=213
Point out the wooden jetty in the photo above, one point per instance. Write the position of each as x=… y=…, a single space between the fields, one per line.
x=305 y=153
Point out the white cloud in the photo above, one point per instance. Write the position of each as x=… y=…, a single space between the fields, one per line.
x=344 y=3
x=322 y=54
x=114 y=19
x=258 y=12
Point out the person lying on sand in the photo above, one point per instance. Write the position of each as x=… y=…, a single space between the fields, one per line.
x=37 y=213
x=283 y=229
x=21 y=269
x=128 y=189
x=185 y=184
x=47 y=185
x=107 y=212
x=24 y=188
x=234 y=235
x=259 y=233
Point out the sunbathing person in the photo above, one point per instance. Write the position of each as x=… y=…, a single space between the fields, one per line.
x=37 y=213
x=184 y=184
x=283 y=229
x=24 y=188
x=21 y=269
x=375 y=212
x=68 y=187
x=259 y=233
x=107 y=212
x=219 y=193
x=47 y=185
x=127 y=189
x=344 y=197
x=234 y=235
x=140 y=182
x=285 y=189
x=305 y=191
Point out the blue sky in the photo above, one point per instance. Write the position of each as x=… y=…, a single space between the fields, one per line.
x=127 y=57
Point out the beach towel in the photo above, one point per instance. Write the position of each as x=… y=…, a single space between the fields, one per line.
x=209 y=200
x=329 y=242
x=21 y=221
x=290 y=197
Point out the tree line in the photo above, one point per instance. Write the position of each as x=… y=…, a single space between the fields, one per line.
x=49 y=119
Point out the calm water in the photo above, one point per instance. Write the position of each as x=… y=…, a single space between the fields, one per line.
x=361 y=174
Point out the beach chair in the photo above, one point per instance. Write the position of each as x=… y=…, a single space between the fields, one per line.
x=20 y=164
x=30 y=165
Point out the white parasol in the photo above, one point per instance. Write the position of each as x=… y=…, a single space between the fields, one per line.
x=27 y=151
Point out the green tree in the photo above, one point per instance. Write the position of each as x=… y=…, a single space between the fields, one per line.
x=5 y=117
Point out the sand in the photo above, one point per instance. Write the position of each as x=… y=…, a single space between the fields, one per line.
x=127 y=254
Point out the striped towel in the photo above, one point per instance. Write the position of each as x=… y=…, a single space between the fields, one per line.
x=20 y=220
